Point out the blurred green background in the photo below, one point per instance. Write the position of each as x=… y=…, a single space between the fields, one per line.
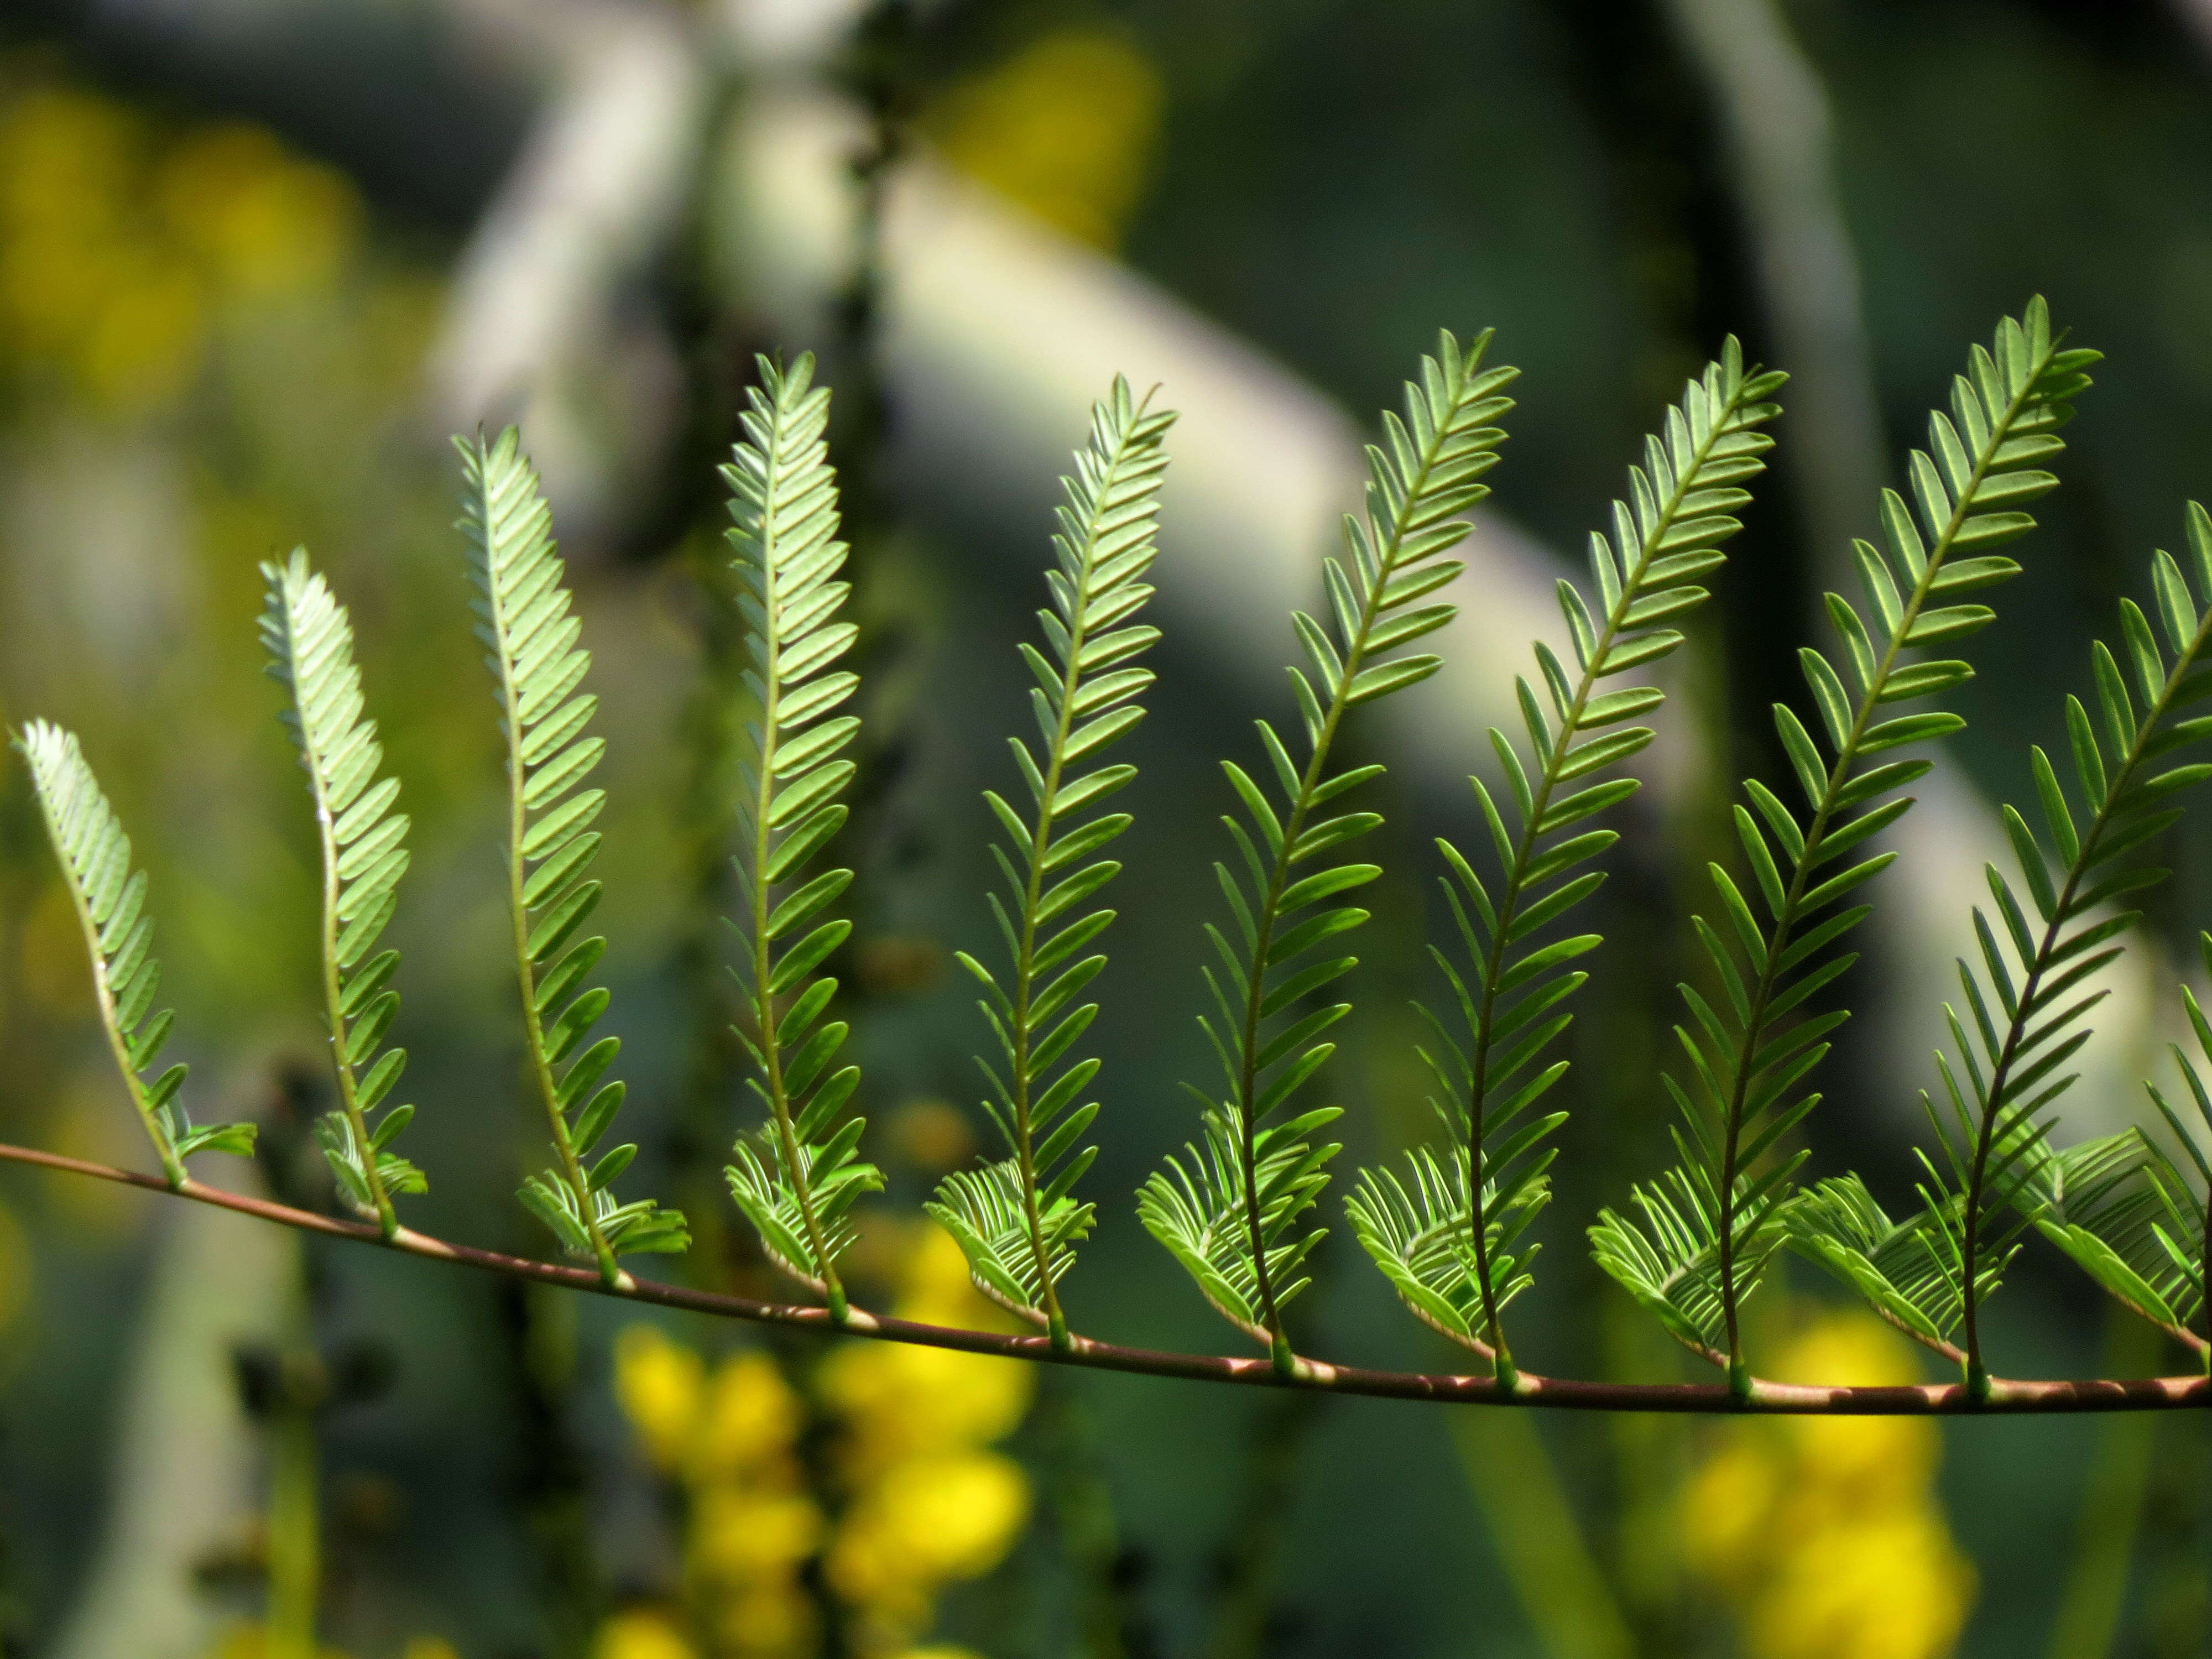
x=258 y=257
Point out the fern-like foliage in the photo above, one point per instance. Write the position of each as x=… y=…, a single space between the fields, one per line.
x=1018 y=1219
x=538 y=668
x=109 y=898
x=2182 y=1230
x=363 y=846
x=2031 y=996
x=1908 y=1271
x=1420 y=1230
x=1449 y=1235
x=1747 y=1056
x=796 y=1178
x=1234 y=1216
x=2130 y=1214
x=2116 y=1206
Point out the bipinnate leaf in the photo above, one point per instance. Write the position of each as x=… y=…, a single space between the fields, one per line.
x=1752 y=1044
x=796 y=1178
x=1511 y=999
x=361 y=843
x=530 y=638
x=109 y=898
x=1285 y=888
x=1017 y=1219
x=2029 y=997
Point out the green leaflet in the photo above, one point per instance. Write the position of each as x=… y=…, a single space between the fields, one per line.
x=309 y=641
x=1438 y=1242
x=530 y=638
x=796 y=1178
x=1222 y=1216
x=109 y=897
x=1016 y=1220
x=1741 y=1097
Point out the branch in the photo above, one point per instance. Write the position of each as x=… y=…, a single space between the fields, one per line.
x=2007 y=1397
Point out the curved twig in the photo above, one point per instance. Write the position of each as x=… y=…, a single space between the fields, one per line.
x=2007 y=1397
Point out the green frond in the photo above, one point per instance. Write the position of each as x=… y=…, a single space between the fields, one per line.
x=1667 y=536
x=1202 y=1212
x=1908 y=1271
x=1750 y=1050
x=1670 y=1262
x=538 y=668
x=2183 y=1230
x=796 y=1185
x=2115 y=1207
x=1420 y=1232
x=987 y=1211
x=2131 y=1214
x=1085 y=698
x=798 y=1240
x=2031 y=994
x=363 y=845
x=1424 y=478
x=109 y=898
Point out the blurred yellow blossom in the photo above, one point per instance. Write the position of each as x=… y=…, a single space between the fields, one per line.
x=750 y=1415
x=929 y=1504
x=1885 y=1586
x=1826 y=1533
x=428 y=1647
x=739 y=1532
x=925 y=1523
x=1064 y=128
x=261 y=220
x=727 y=1435
x=660 y=1384
x=120 y=245
x=639 y=1634
x=901 y=1401
x=919 y=1499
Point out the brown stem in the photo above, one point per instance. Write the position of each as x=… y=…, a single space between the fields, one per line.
x=2006 y=1397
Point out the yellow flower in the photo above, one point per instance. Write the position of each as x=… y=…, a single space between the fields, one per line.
x=67 y=160
x=902 y=1401
x=428 y=1647
x=640 y=1634
x=737 y=1532
x=659 y=1386
x=750 y=1416
x=928 y=1522
x=262 y=219
x=1726 y=1507
x=1065 y=129
x=1891 y=1586
x=773 y=1619
x=1826 y=1533
x=1863 y=1457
